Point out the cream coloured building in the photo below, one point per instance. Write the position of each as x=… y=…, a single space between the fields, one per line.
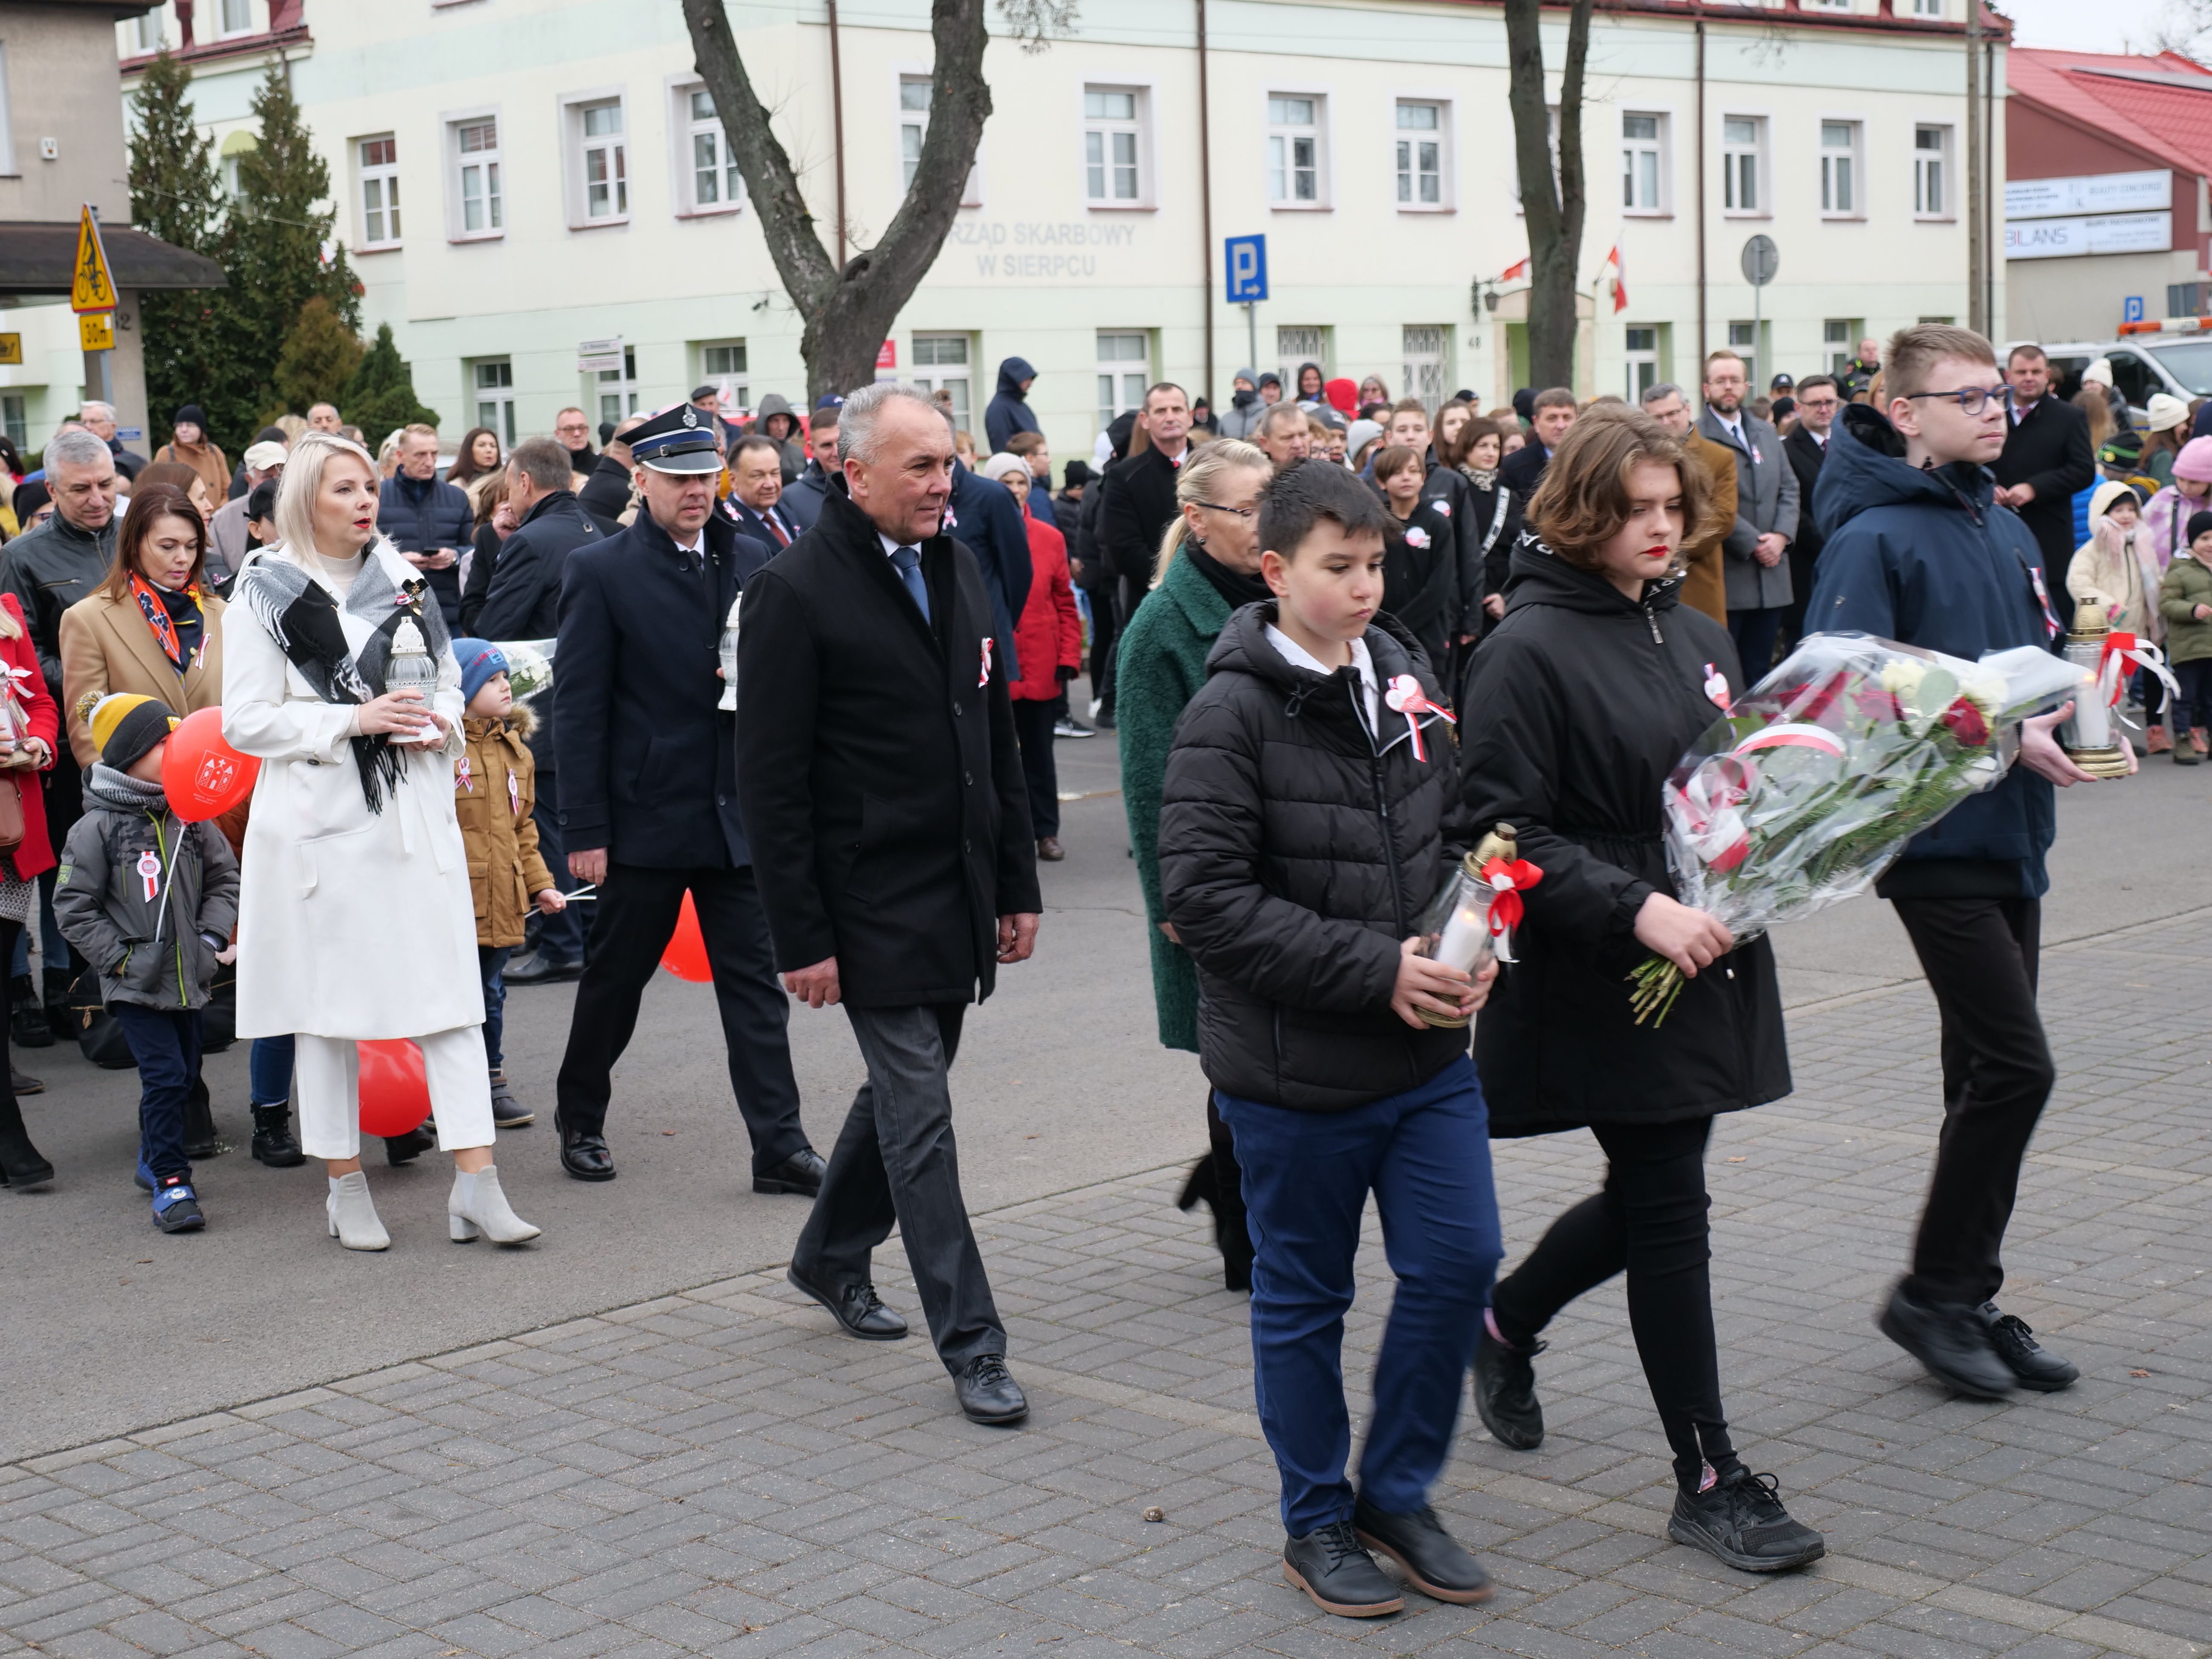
x=518 y=177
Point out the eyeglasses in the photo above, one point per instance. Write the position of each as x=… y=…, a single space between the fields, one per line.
x=1972 y=399
x=1237 y=511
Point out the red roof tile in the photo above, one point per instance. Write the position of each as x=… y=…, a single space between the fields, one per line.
x=2160 y=104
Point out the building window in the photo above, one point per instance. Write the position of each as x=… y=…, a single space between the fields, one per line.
x=617 y=388
x=1742 y=137
x=237 y=16
x=602 y=162
x=1642 y=144
x=1932 y=184
x=1741 y=343
x=722 y=363
x=494 y=396
x=1839 y=339
x=1124 y=371
x=227 y=159
x=1420 y=154
x=914 y=94
x=1294 y=151
x=711 y=183
x=15 y=418
x=1425 y=347
x=145 y=30
x=380 y=191
x=1296 y=346
x=1642 y=361
x=1927 y=8
x=477 y=189
x=1840 y=169
x=1113 y=153
x=940 y=364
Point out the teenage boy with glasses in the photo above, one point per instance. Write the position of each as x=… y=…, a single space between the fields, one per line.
x=1918 y=550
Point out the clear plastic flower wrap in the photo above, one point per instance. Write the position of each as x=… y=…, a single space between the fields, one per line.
x=529 y=666
x=1802 y=792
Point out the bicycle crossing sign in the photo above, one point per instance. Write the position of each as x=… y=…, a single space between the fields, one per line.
x=92 y=289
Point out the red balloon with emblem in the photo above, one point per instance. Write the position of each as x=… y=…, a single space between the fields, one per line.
x=204 y=776
x=395 y=1097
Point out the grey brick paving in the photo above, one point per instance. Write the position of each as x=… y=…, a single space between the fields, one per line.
x=716 y=1474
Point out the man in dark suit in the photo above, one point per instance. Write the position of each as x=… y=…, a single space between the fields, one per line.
x=755 y=504
x=1139 y=494
x=883 y=788
x=650 y=798
x=1551 y=414
x=1820 y=399
x=802 y=499
x=606 y=492
x=1756 y=551
x=2045 y=462
x=523 y=602
x=991 y=525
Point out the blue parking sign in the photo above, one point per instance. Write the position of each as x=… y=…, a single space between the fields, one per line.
x=2131 y=310
x=1245 y=258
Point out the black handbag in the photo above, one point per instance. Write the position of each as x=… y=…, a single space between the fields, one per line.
x=99 y=1035
x=219 y=1019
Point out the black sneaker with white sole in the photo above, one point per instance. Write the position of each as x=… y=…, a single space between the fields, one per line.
x=1739 y=1520
x=1334 y=1570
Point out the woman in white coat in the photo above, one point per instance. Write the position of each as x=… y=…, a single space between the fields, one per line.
x=356 y=917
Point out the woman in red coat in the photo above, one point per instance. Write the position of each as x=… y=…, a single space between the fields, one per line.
x=30 y=726
x=1048 y=644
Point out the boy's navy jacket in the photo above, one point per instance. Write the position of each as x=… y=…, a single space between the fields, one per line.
x=102 y=908
x=1928 y=558
x=1296 y=852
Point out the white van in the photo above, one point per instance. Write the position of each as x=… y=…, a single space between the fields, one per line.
x=2141 y=364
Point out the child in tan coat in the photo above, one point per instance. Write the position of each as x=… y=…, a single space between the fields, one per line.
x=494 y=787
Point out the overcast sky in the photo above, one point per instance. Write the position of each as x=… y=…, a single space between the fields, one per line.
x=2082 y=26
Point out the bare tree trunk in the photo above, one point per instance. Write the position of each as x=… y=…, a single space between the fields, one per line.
x=848 y=313
x=1552 y=210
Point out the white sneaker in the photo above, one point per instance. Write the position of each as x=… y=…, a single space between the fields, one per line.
x=354 y=1220
x=477 y=1206
x=1069 y=728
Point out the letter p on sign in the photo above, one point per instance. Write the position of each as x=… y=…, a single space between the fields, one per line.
x=1245 y=259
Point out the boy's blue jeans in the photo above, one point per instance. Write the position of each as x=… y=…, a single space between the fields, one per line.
x=1425 y=1155
x=165 y=1043
x=491 y=964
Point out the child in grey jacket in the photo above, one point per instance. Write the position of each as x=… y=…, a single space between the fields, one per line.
x=148 y=900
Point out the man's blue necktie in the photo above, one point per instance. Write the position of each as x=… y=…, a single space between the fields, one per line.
x=909 y=568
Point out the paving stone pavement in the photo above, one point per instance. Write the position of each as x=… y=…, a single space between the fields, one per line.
x=716 y=1472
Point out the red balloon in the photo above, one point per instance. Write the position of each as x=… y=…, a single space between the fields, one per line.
x=394 y=1095
x=204 y=776
x=686 y=955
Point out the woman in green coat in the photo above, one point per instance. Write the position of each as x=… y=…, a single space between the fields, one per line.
x=1209 y=565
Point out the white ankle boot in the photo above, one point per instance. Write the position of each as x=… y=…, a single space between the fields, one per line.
x=478 y=1206
x=353 y=1216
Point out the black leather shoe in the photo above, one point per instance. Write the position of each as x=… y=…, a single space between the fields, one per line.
x=27 y=1020
x=800 y=1173
x=274 y=1143
x=2030 y=1363
x=1339 y=1577
x=1432 y=1559
x=583 y=1155
x=1506 y=1392
x=1740 y=1519
x=1951 y=1340
x=854 y=1307
x=988 y=1393
x=200 y=1141
x=24 y=1083
x=538 y=971
x=405 y=1149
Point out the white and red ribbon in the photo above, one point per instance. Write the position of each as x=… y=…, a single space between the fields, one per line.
x=1716 y=688
x=1406 y=696
x=150 y=874
x=2123 y=652
x=984 y=679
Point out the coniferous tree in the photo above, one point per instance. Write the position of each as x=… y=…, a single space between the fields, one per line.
x=320 y=357
x=176 y=195
x=380 y=399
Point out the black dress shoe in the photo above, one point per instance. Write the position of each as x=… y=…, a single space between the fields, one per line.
x=1433 y=1560
x=538 y=971
x=1332 y=1567
x=988 y=1393
x=1506 y=1392
x=26 y=1019
x=854 y=1307
x=2015 y=1343
x=1952 y=1341
x=584 y=1156
x=405 y=1149
x=24 y=1083
x=1740 y=1519
x=800 y=1173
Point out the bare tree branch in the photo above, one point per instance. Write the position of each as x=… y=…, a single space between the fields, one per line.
x=1552 y=208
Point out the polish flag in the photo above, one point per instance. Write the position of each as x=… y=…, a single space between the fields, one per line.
x=1619 y=288
x=1515 y=271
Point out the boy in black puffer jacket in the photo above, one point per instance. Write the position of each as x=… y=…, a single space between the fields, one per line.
x=1302 y=831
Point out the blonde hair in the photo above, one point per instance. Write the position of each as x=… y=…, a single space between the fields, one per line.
x=302 y=481
x=1200 y=476
x=291 y=426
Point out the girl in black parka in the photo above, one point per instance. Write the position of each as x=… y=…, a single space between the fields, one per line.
x=1578 y=706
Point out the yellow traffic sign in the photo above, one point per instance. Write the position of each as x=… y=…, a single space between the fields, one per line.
x=96 y=331
x=93 y=289
x=11 y=350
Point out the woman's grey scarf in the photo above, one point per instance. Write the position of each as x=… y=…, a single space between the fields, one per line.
x=302 y=618
x=1483 y=477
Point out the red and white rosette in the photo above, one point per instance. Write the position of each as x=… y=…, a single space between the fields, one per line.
x=1406 y=696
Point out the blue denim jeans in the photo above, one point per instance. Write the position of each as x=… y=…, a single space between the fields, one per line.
x=269 y=1071
x=491 y=964
x=165 y=1043
x=1425 y=1155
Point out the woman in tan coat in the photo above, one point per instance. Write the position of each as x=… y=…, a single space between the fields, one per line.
x=151 y=627
x=190 y=445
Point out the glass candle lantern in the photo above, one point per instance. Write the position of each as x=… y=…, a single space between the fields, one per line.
x=2087 y=735
x=410 y=667
x=1455 y=929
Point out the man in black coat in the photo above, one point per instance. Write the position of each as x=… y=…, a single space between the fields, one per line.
x=1551 y=414
x=524 y=602
x=2046 y=461
x=1139 y=494
x=649 y=799
x=427 y=518
x=802 y=498
x=1818 y=400
x=606 y=492
x=883 y=788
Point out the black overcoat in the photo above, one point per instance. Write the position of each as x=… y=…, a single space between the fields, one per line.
x=647 y=765
x=522 y=600
x=878 y=765
x=1140 y=492
x=1579 y=704
x=2049 y=447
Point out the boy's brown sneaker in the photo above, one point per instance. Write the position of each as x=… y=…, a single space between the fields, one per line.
x=507 y=1112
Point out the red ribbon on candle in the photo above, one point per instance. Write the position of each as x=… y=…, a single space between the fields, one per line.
x=1509 y=881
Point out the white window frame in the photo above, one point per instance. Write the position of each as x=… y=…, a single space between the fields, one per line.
x=1634 y=357
x=1145 y=90
x=1760 y=153
x=1288 y=357
x=1447 y=170
x=143 y=33
x=1662 y=149
x=681 y=129
x=971 y=195
x=386 y=175
x=740 y=380
x=933 y=375
x=14 y=419
x=222 y=27
x=1753 y=359
x=450 y=123
x=1410 y=363
x=575 y=165
x=619 y=384
x=499 y=399
x=1115 y=370
x=1840 y=349
x=1948 y=178
x=1854 y=155
x=8 y=167
x=1930 y=9
x=1318 y=131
